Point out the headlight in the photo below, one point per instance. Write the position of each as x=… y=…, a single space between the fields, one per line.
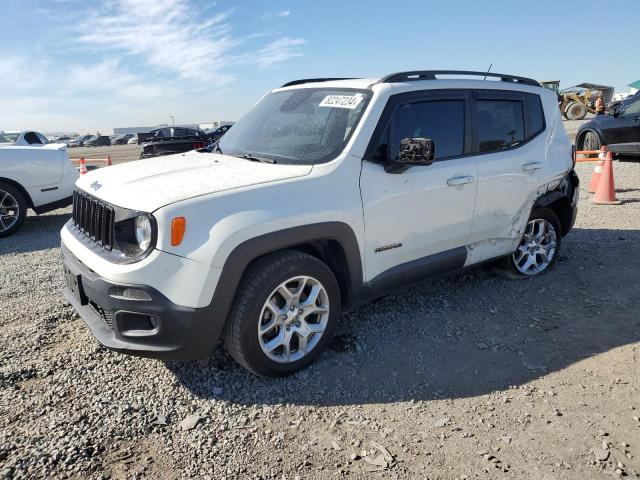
x=143 y=231
x=134 y=235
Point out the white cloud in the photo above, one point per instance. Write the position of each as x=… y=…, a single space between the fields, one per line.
x=284 y=13
x=135 y=61
x=173 y=37
x=278 y=51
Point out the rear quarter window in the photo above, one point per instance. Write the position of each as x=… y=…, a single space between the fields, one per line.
x=534 y=115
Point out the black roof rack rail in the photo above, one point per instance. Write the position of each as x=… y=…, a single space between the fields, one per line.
x=431 y=75
x=313 y=80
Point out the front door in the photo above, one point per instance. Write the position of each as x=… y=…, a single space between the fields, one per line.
x=625 y=127
x=418 y=222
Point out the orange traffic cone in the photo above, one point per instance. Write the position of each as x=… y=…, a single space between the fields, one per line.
x=597 y=171
x=83 y=166
x=606 y=191
x=109 y=163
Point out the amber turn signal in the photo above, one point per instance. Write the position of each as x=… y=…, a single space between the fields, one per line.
x=178 y=227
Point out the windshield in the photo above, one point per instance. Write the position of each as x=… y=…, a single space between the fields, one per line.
x=9 y=137
x=302 y=126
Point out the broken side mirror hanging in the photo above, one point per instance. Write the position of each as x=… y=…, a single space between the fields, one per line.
x=413 y=152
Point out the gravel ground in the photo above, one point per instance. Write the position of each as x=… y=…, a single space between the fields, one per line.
x=471 y=376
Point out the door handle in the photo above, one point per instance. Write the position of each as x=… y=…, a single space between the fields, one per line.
x=452 y=182
x=528 y=167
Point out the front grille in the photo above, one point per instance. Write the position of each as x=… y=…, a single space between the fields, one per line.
x=94 y=219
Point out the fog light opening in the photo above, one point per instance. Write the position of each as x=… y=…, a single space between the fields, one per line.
x=132 y=324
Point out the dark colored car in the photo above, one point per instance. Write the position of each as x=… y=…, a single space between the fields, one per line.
x=98 y=141
x=122 y=139
x=216 y=134
x=171 y=140
x=619 y=131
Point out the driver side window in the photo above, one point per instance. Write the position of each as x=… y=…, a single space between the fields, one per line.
x=440 y=120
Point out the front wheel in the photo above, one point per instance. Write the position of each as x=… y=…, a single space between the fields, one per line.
x=539 y=248
x=576 y=111
x=285 y=314
x=13 y=209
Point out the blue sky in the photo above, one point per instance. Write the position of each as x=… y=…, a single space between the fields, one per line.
x=76 y=65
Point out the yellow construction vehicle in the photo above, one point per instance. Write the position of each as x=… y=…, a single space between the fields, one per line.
x=576 y=101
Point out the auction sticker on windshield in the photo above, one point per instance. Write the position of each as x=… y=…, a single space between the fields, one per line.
x=342 y=101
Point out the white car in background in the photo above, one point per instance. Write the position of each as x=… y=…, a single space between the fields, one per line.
x=38 y=175
x=25 y=138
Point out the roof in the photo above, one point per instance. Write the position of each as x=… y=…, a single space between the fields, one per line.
x=411 y=77
x=635 y=84
x=360 y=83
x=593 y=86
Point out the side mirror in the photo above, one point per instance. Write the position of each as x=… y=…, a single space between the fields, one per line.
x=413 y=152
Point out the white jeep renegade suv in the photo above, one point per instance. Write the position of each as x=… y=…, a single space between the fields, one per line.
x=327 y=193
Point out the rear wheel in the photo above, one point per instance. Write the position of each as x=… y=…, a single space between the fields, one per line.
x=539 y=247
x=13 y=209
x=285 y=314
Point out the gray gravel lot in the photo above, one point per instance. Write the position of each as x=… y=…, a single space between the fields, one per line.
x=471 y=376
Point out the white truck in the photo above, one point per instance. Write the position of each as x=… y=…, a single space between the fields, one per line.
x=328 y=193
x=34 y=174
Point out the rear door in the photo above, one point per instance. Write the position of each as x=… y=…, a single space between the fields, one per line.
x=418 y=222
x=511 y=154
x=33 y=167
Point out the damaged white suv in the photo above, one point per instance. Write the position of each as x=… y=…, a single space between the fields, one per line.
x=329 y=192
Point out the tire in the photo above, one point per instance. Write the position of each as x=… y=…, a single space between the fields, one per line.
x=512 y=266
x=282 y=272
x=13 y=209
x=591 y=141
x=576 y=111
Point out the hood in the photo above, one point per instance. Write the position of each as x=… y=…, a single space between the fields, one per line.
x=149 y=184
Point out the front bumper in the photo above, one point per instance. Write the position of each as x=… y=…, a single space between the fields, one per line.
x=154 y=327
x=575 y=182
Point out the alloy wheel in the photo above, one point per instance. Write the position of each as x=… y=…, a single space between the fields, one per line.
x=537 y=248
x=293 y=319
x=9 y=211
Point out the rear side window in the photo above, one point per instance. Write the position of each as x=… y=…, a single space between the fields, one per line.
x=534 y=115
x=500 y=124
x=32 y=138
x=442 y=121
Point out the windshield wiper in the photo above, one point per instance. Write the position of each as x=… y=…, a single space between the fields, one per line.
x=253 y=158
x=213 y=148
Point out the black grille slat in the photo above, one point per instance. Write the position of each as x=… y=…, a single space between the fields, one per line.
x=94 y=219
